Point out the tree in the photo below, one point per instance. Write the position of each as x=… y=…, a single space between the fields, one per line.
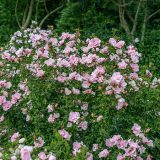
x=32 y=8
x=130 y=21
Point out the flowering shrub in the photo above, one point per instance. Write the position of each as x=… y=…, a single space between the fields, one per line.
x=62 y=97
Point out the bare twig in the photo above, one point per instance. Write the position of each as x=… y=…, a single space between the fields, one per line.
x=29 y=15
x=45 y=6
x=25 y=14
x=154 y=13
x=16 y=14
x=49 y=14
x=123 y=21
x=37 y=5
x=136 y=18
x=121 y=5
x=144 y=26
x=122 y=18
x=130 y=16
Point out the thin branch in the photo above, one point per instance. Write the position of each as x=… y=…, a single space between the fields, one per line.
x=25 y=14
x=49 y=14
x=154 y=13
x=16 y=14
x=144 y=26
x=45 y=6
x=29 y=15
x=123 y=21
x=130 y=16
x=136 y=18
x=37 y=5
x=122 y=5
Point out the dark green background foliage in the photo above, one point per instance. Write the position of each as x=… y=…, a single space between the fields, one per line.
x=90 y=17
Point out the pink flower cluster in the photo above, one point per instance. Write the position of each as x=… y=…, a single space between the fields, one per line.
x=79 y=118
x=79 y=70
x=53 y=116
x=64 y=134
x=131 y=149
x=82 y=65
x=7 y=101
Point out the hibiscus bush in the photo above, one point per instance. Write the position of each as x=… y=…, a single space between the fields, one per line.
x=66 y=98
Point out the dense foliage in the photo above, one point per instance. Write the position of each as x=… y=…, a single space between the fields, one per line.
x=67 y=98
x=71 y=88
x=90 y=17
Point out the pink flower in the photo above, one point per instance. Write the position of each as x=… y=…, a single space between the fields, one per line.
x=7 y=105
x=26 y=153
x=85 y=49
x=15 y=136
x=89 y=156
x=95 y=42
x=122 y=144
x=67 y=36
x=133 y=76
x=61 y=79
x=2 y=99
x=145 y=140
x=52 y=157
x=8 y=85
x=120 y=44
x=54 y=41
x=71 y=43
x=116 y=78
x=67 y=91
x=1 y=118
x=121 y=104
x=56 y=115
x=122 y=65
x=149 y=157
x=15 y=98
x=131 y=150
x=74 y=116
x=76 y=91
x=51 y=118
x=112 y=41
x=150 y=143
x=83 y=125
x=42 y=156
x=120 y=157
x=108 y=92
x=50 y=108
x=2 y=83
x=39 y=73
x=68 y=50
x=85 y=84
x=149 y=74
x=136 y=129
x=64 y=134
x=103 y=154
x=73 y=60
x=39 y=143
x=49 y=62
x=76 y=146
x=5 y=93
x=134 y=67
x=139 y=158
x=95 y=147
x=84 y=106
x=118 y=82
x=13 y=158
x=113 y=141
x=104 y=50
